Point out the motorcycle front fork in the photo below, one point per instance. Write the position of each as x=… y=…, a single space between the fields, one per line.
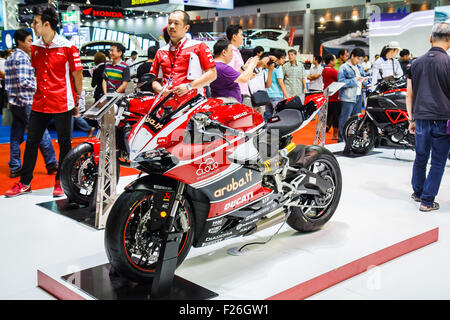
x=360 y=125
x=174 y=209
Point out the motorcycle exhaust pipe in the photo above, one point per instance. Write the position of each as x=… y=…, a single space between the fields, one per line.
x=262 y=224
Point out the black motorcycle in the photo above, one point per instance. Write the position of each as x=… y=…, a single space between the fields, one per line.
x=384 y=123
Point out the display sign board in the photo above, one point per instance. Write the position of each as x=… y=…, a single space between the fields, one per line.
x=70 y=17
x=2 y=23
x=101 y=12
x=142 y=3
x=218 y=4
x=70 y=30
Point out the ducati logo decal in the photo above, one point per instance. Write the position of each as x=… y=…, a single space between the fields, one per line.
x=207 y=166
x=234 y=184
x=246 y=197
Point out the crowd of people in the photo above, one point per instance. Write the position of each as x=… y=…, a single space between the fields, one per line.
x=261 y=82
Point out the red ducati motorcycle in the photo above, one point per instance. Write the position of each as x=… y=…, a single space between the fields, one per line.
x=79 y=170
x=215 y=171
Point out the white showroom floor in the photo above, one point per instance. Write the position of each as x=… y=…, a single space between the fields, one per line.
x=375 y=212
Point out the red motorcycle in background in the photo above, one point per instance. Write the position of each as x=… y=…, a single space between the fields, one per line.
x=215 y=171
x=79 y=170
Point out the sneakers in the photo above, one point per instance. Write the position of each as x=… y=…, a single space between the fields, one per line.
x=17 y=189
x=434 y=206
x=58 y=191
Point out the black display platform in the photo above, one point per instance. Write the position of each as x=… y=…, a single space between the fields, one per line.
x=354 y=155
x=99 y=284
x=71 y=210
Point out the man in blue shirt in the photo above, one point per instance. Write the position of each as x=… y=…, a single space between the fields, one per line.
x=428 y=105
x=276 y=89
x=21 y=85
x=352 y=74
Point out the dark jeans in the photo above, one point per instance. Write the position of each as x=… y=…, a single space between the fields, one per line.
x=81 y=124
x=38 y=123
x=431 y=137
x=348 y=109
x=19 y=123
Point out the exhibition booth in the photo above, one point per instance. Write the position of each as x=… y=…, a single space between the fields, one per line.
x=190 y=197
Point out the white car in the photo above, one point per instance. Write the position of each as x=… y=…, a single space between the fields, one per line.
x=266 y=38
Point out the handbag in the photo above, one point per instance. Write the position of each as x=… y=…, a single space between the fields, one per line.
x=260 y=98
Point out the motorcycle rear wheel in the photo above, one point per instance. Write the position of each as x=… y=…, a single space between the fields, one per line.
x=360 y=141
x=307 y=217
x=133 y=240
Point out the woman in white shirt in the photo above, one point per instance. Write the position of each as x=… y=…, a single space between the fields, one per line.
x=386 y=66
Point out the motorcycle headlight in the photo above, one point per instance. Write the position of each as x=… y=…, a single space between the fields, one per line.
x=155 y=154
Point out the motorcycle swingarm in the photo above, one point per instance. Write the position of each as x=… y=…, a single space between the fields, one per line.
x=313 y=184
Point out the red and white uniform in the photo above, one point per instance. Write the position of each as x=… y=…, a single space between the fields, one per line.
x=183 y=63
x=54 y=64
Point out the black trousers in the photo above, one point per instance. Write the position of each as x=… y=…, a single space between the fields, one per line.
x=36 y=126
x=334 y=110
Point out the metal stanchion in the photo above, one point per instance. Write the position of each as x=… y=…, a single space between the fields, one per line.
x=104 y=113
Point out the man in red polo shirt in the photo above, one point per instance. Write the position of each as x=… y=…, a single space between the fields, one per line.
x=59 y=84
x=330 y=75
x=189 y=63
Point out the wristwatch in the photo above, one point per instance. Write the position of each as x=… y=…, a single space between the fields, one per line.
x=410 y=120
x=188 y=86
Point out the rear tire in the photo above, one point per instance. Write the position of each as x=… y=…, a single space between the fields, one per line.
x=306 y=219
x=131 y=237
x=359 y=141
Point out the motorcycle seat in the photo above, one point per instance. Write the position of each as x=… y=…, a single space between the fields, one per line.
x=285 y=121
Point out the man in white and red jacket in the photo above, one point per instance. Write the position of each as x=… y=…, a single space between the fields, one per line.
x=188 y=63
x=59 y=85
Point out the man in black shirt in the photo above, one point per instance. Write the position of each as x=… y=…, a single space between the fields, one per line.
x=428 y=105
x=145 y=68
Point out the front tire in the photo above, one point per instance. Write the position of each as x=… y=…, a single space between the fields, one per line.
x=315 y=211
x=360 y=141
x=78 y=174
x=133 y=235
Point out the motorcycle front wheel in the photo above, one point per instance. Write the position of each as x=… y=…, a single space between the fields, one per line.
x=360 y=141
x=314 y=210
x=79 y=173
x=133 y=234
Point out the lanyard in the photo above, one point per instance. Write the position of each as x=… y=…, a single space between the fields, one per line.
x=177 y=52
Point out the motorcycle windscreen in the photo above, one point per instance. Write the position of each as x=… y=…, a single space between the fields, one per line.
x=139 y=137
